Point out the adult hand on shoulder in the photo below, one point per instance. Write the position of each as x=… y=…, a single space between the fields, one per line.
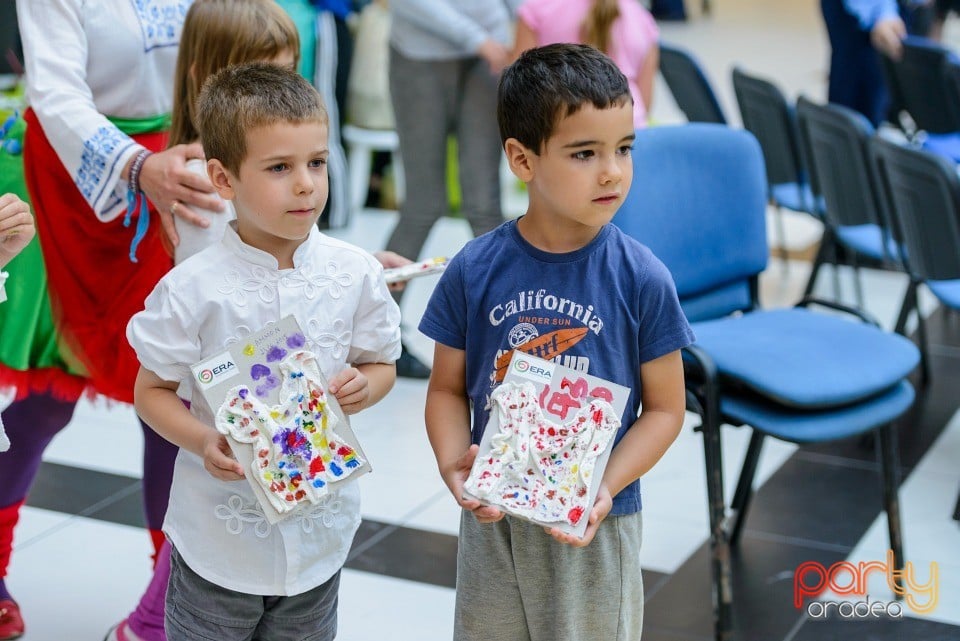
x=601 y=508
x=887 y=36
x=456 y=475
x=495 y=54
x=16 y=227
x=174 y=189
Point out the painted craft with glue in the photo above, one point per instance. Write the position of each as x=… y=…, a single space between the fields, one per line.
x=547 y=443
x=267 y=394
x=297 y=450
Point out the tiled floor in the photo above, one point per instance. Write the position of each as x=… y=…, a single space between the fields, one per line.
x=81 y=556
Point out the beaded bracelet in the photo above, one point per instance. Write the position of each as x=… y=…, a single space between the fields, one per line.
x=137 y=200
x=135 y=167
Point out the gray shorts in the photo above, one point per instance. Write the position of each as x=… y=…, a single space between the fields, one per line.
x=515 y=583
x=198 y=610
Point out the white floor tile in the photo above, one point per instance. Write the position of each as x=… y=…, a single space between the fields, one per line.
x=377 y=607
x=927 y=499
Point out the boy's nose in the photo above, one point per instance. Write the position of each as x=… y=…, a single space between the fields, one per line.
x=304 y=181
x=612 y=171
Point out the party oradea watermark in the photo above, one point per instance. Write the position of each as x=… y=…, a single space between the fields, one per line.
x=849 y=582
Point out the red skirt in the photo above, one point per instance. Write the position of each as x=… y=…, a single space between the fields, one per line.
x=94 y=288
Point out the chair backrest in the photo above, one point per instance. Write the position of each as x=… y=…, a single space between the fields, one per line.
x=698 y=201
x=922 y=193
x=689 y=85
x=835 y=142
x=767 y=115
x=920 y=83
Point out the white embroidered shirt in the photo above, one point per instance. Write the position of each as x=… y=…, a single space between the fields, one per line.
x=337 y=293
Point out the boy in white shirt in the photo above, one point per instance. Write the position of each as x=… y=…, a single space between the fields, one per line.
x=233 y=574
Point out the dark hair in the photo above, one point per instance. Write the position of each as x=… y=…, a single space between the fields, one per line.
x=243 y=97
x=548 y=83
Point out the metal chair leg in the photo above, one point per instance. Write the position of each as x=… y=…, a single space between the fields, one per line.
x=890 y=470
x=744 y=493
x=719 y=540
x=826 y=242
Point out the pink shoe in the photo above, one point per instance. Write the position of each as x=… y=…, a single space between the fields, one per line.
x=11 y=623
x=118 y=632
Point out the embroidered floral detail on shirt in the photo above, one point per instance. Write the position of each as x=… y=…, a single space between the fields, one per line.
x=237 y=515
x=325 y=513
x=261 y=282
x=333 y=281
x=160 y=21
x=337 y=341
x=93 y=159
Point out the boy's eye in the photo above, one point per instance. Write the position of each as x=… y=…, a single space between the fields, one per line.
x=278 y=167
x=625 y=150
x=583 y=155
x=316 y=163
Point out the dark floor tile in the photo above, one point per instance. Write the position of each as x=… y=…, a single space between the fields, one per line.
x=405 y=553
x=816 y=501
x=896 y=630
x=762 y=588
x=109 y=497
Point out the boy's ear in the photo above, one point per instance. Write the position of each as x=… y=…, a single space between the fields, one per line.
x=221 y=178
x=520 y=159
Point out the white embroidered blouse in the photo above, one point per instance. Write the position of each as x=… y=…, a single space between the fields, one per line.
x=89 y=59
x=230 y=290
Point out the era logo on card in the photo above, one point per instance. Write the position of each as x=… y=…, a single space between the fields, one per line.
x=215 y=370
x=537 y=371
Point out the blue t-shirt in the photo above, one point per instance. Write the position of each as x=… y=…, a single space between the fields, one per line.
x=602 y=310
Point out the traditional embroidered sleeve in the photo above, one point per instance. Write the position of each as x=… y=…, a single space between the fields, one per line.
x=376 y=326
x=165 y=335
x=91 y=148
x=3 y=286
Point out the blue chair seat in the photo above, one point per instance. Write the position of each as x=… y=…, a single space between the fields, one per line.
x=947 y=291
x=804 y=359
x=946 y=145
x=796 y=197
x=815 y=426
x=868 y=239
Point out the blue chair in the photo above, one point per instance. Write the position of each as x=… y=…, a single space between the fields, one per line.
x=835 y=144
x=922 y=194
x=689 y=85
x=923 y=83
x=794 y=374
x=766 y=114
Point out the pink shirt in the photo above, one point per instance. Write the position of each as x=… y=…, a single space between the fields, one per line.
x=634 y=33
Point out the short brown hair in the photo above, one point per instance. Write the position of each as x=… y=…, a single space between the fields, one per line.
x=220 y=33
x=243 y=97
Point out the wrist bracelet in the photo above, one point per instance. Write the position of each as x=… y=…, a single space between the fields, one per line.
x=137 y=202
x=133 y=179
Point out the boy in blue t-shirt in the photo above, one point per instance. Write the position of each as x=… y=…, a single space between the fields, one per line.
x=560 y=283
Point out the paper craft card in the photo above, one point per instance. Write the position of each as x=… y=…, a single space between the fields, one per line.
x=270 y=400
x=547 y=443
x=415 y=270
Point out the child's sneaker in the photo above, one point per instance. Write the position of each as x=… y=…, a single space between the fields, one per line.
x=11 y=623
x=120 y=632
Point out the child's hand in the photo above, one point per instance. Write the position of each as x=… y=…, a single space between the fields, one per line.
x=351 y=389
x=456 y=475
x=601 y=508
x=218 y=459
x=16 y=227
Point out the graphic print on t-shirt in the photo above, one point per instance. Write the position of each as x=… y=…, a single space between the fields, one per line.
x=544 y=325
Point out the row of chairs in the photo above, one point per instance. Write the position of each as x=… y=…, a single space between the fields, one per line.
x=790 y=374
x=794 y=374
